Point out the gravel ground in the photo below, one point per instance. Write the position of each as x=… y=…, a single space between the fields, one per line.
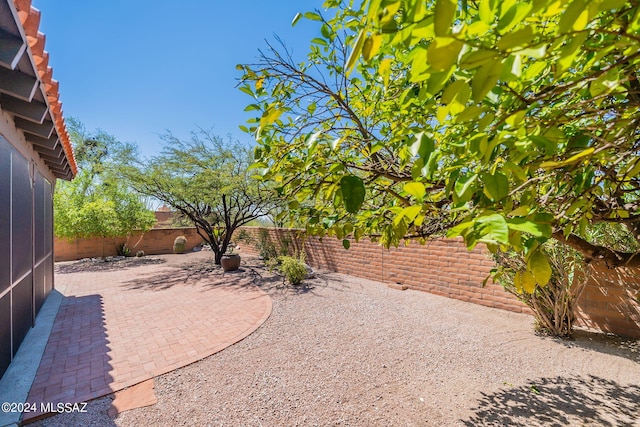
x=347 y=351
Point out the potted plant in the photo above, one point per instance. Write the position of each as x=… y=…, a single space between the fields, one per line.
x=229 y=260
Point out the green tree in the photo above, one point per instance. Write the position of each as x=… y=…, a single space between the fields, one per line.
x=504 y=122
x=98 y=202
x=207 y=180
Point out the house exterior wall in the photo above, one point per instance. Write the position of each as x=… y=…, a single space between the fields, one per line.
x=26 y=238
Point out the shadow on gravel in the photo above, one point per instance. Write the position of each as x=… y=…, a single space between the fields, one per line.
x=99 y=265
x=560 y=401
x=608 y=344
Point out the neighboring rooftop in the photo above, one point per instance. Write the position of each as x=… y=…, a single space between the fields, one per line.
x=27 y=90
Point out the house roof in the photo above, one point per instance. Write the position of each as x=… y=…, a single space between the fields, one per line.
x=27 y=90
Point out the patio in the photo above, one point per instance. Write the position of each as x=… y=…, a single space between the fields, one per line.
x=121 y=323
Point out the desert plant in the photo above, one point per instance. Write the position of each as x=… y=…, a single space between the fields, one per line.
x=553 y=305
x=123 y=250
x=140 y=254
x=179 y=244
x=265 y=246
x=293 y=269
x=286 y=244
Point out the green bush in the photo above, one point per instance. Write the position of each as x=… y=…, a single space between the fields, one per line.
x=553 y=305
x=266 y=248
x=123 y=250
x=294 y=270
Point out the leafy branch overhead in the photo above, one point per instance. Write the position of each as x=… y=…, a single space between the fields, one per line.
x=503 y=122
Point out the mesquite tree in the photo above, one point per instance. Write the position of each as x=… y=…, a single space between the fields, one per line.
x=207 y=180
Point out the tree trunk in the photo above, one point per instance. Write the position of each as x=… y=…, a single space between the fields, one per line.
x=218 y=257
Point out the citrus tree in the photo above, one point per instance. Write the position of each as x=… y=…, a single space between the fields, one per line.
x=503 y=122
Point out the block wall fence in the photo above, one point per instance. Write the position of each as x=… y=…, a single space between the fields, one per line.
x=609 y=303
x=154 y=242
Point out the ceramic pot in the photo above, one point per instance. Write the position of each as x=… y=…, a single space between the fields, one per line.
x=230 y=262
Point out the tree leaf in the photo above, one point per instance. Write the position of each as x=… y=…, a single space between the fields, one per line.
x=460 y=229
x=536 y=52
x=528 y=282
x=346 y=243
x=410 y=212
x=575 y=17
x=492 y=229
x=478 y=58
x=270 y=115
x=336 y=143
x=538 y=265
x=496 y=186
x=312 y=16
x=296 y=19
x=353 y=192
x=442 y=53
x=516 y=39
x=325 y=30
x=513 y=16
x=455 y=90
x=444 y=12
x=416 y=189
x=517 y=281
x=486 y=11
x=355 y=53
x=463 y=189
x=422 y=147
x=371 y=46
x=570 y=160
x=534 y=228
x=485 y=79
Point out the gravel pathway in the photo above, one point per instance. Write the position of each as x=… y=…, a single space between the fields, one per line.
x=347 y=351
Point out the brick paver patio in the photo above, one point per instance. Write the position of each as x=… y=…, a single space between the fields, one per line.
x=119 y=327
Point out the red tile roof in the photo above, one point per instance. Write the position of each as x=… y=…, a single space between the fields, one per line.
x=30 y=20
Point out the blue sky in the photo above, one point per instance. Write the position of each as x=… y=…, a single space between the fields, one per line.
x=136 y=69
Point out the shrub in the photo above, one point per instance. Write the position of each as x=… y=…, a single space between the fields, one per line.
x=179 y=244
x=285 y=246
x=266 y=248
x=294 y=270
x=123 y=250
x=553 y=305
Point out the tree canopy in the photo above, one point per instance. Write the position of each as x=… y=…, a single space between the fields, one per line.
x=97 y=203
x=206 y=179
x=503 y=122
